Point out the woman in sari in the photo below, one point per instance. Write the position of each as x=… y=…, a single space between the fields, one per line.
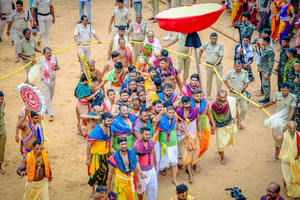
x=276 y=5
x=286 y=11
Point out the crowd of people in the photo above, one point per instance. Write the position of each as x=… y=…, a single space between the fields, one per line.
x=136 y=115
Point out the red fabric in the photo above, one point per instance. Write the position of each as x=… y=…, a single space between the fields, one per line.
x=190 y=24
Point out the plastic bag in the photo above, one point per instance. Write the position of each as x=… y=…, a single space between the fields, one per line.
x=34 y=71
x=278 y=120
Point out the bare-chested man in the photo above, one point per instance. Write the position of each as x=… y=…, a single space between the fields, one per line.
x=17 y=139
x=38 y=173
x=110 y=65
x=95 y=75
x=92 y=118
x=169 y=95
x=169 y=74
x=30 y=131
x=125 y=53
x=124 y=99
x=109 y=104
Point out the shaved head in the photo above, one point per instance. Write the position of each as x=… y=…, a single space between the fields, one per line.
x=292 y=127
x=97 y=110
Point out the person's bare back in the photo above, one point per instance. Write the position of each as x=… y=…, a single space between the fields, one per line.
x=26 y=131
x=109 y=65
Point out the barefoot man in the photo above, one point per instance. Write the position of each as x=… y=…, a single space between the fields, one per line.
x=290 y=162
x=188 y=89
x=225 y=113
x=98 y=149
x=110 y=65
x=125 y=53
x=31 y=131
x=109 y=103
x=144 y=149
x=166 y=128
x=125 y=163
x=189 y=119
x=2 y=132
x=38 y=173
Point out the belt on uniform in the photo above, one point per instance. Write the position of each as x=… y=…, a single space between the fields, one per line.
x=50 y=80
x=212 y=64
x=137 y=40
x=44 y=14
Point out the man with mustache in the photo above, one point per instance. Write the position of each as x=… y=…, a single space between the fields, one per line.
x=189 y=119
x=124 y=100
x=289 y=155
x=92 y=118
x=169 y=95
x=97 y=152
x=188 y=89
x=225 y=114
x=272 y=192
x=143 y=121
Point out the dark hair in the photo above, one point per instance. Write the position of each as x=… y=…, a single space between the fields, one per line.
x=109 y=91
x=131 y=68
x=195 y=76
x=222 y=92
x=164 y=53
x=298 y=62
x=286 y=38
x=19 y=2
x=131 y=80
x=82 y=17
x=83 y=78
x=46 y=48
x=144 y=110
x=25 y=30
x=120 y=1
x=121 y=139
x=156 y=102
x=164 y=59
x=118 y=65
x=246 y=36
x=168 y=85
x=181 y=188
x=37 y=142
x=139 y=92
x=267 y=39
x=106 y=115
x=137 y=99
x=115 y=54
x=132 y=72
x=140 y=86
x=143 y=129
x=213 y=34
x=157 y=81
x=237 y=62
x=124 y=91
x=155 y=76
x=168 y=104
x=101 y=189
x=120 y=39
x=247 y=14
x=197 y=91
x=170 y=108
x=185 y=99
x=33 y=114
x=139 y=79
x=151 y=69
x=122 y=28
x=267 y=31
x=1 y=94
x=285 y=85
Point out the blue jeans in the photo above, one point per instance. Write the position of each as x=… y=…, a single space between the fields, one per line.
x=87 y=5
x=137 y=7
x=34 y=29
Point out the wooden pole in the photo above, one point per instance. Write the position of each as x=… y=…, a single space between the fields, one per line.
x=198 y=68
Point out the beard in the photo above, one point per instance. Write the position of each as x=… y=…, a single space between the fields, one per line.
x=168 y=95
x=223 y=101
x=123 y=150
x=125 y=101
x=169 y=117
x=197 y=101
x=187 y=108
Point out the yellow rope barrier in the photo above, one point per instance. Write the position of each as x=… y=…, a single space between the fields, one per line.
x=235 y=90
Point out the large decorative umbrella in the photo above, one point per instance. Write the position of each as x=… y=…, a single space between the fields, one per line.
x=32 y=97
x=189 y=20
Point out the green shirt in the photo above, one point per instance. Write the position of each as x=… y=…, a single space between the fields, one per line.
x=282 y=60
x=267 y=60
x=27 y=48
x=237 y=81
x=247 y=29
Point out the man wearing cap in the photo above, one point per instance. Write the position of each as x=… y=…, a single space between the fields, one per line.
x=27 y=49
x=139 y=29
x=239 y=82
x=214 y=56
x=289 y=71
x=46 y=17
x=282 y=60
x=184 y=62
x=83 y=34
x=6 y=6
x=103 y=194
x=19 y=19
x=2 y=132
x=120 y=16
x=266 y=66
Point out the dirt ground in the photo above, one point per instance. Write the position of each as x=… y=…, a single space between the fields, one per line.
x=251 y=165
